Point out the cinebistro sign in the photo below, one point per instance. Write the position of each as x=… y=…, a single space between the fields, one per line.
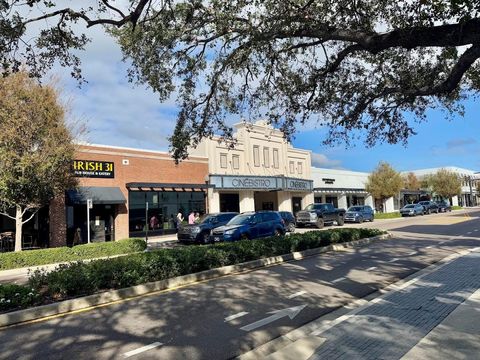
x=260 y=183
x=93 y=169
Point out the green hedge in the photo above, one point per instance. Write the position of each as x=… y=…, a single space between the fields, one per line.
x=392 y=215
x=14 y=297
x=84 y=278
x=457 y=208
x=14 y=260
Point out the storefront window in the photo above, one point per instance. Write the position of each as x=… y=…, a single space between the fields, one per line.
x=163 y=207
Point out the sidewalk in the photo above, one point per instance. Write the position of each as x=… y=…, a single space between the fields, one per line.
x=435 y=316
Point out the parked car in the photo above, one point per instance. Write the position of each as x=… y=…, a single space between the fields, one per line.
x=359 y=214
x=444 y=206
x=412 y=210
x=319 y=215
x=200 y=233
x=430 y=207
x=289 y=220
x=250 y=225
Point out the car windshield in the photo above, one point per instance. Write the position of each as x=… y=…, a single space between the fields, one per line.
x=205 y=219
x=316 y=207
x=355 y=208
x=240 y=220
x=409 y=206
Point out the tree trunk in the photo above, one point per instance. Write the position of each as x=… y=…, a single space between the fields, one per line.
x=18 y=228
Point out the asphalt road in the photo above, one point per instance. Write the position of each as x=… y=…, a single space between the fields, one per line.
x=226 y=317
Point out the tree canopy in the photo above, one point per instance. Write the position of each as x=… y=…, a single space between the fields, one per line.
x=360 y=68
x=445 y=183
x=411 y=182
x=384 y=182
x=36 y=148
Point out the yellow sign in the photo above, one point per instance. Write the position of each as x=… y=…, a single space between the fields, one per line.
x=93 y=168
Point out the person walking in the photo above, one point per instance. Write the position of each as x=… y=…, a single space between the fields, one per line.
x=153 y=222
x=191 y=218
x=179 y=219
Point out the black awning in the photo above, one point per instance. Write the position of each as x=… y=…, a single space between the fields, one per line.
x=137 y=186
x=99 y=195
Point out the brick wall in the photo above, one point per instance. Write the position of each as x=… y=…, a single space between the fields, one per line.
x=143 y=166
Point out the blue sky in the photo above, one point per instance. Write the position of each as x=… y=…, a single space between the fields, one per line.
x=118 y=113
x=439 y=142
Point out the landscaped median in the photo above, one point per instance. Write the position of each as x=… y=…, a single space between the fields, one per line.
x=392 y=215
x=14 y=260
x=160 y=269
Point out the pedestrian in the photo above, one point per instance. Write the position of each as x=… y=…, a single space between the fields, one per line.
x=191 y=218
x=153 y=222
x=179 y=219
x=197 y=218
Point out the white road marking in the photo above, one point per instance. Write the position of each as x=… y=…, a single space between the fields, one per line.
x=300 y=293
x=142 y=349
x=429 y=247
x=412 y=253
x=338 y=280
x=372 y=268
x=394 y=260
x=235 y=316
x=278 y=314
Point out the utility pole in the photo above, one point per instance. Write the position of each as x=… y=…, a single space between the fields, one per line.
x=146 y=221
x=89 y=206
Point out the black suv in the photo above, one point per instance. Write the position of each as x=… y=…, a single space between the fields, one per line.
x=429 y=206
x=289 y=220
x=200 y=233
x=444 y=206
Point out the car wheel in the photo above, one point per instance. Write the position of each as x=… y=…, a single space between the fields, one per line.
x=340 y=220
x=360 y=220
x=291 y=228
x=371 y=220
x=429 y=212
x=320 y=224
x=244 y=237
x=277 y=233
x=205 y=237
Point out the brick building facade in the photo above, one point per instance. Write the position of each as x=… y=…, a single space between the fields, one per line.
x=119 y=201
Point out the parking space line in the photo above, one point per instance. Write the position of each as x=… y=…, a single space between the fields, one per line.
x=142 y=349
x=411 y=253
x=235 y=316
x=394 y=260
x=300 y=293
x=338 y=280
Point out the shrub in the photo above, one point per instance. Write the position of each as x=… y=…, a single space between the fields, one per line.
x=76 y=279
x=387 y=215
x=14 y=297
x=63 y=254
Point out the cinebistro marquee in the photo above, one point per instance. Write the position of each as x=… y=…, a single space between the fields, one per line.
x=259 y=183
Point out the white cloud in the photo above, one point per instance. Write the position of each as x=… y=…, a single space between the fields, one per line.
x=320 y=160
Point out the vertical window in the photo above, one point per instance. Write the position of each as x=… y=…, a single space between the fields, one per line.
x=299 y=167
x=223 y=161
x=292 y=167
x=266 y=157
x=275 y=159
x=256 y=155
x=236 y=161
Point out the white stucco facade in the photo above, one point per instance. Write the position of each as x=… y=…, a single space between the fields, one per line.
x=261 y=172
x=343 y=188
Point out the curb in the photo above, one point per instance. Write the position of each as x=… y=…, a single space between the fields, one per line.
x=282 y=346
x=108 y=297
